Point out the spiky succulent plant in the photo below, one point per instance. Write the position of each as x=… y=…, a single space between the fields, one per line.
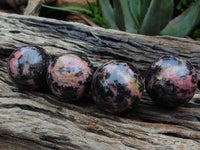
x=149 y=17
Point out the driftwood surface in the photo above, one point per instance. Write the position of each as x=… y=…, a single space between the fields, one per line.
x=37 y=120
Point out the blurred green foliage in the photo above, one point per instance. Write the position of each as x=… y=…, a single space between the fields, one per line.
x=182 y=5
x=151 y=17
x=196 y=34
x=92 y=11
x=96 y=16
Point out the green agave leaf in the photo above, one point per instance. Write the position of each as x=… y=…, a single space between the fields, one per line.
x=118 y=14
x=157 y=17
x=184 y=23
x=130 y=25
x=69 y=9
x=108 y=14
x=138 y=9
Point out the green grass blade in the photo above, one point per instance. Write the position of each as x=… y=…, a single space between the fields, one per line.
x=157 y=17
x=69 y=9
x=184 y=23
x=130 y=25
x=138 y=9
x=108 y=14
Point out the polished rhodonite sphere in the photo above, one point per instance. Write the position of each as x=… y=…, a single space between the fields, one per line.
x=117 y=86
x=27 y=67
x=69 y=77
x=171 y=81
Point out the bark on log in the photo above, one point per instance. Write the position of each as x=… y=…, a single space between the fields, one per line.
x=37 y=120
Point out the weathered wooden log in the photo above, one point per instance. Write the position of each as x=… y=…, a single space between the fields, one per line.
x=37 y=120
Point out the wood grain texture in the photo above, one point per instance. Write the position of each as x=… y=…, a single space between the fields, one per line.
x=37 y=120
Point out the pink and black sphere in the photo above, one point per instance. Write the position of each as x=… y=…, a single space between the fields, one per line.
x=27 y=67
x=69 y=77
x=171 y=81
x=117 y=86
